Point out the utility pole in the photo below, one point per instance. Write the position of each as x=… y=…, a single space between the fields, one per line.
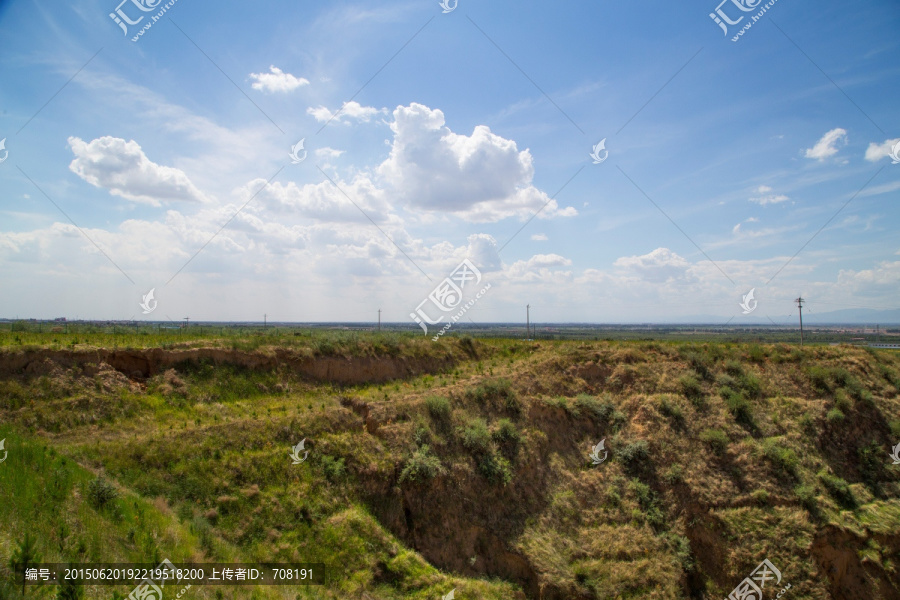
x=265 y=323
x=379 y=319
x=527 y=321
x=800 y=302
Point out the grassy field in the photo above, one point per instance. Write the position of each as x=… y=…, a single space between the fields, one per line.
x=473 y=475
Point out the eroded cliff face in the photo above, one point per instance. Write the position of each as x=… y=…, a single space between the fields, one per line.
x=144 y=363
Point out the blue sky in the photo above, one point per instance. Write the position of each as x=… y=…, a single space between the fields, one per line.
x=432 y=137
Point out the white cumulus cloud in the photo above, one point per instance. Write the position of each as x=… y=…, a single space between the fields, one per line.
x=876 y=152
x=658 y=266
x=122 y=168
x=350 y=110
x=827 y=146
x=276 y=80
x=481 y=177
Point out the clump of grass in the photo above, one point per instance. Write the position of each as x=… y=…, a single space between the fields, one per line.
x=739 y=407
x=421 y=466
x=838 y=489
x=716 y=439
x=700 y=363
x=871 y=465
x=635 y=456
x=674 y=474
x=835 y=416
x=783 y=458
x=497 y=392
x=673 y=412
x=806 y=494
x=476 y=436
x=333 y=468
x=438 y=409
x=734 y=368
x=508 y=438
x=756 y=353
x=648 y=502
x=692 y=390
x=495 y=468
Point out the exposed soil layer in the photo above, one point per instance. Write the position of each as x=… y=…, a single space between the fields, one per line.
x=143 y=363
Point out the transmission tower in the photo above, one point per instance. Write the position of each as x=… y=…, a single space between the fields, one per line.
x=800 y=302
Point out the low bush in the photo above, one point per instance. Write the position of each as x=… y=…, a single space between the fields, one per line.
x=508 y=438
x=783 y=458
x=838 y=489
x=476 y=437
x=635 y=456
x=739 y=407
x=101 y=492
x=716 y=439
x=421 y=466
x=438 y=409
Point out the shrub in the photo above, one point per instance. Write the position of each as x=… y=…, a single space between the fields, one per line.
x=895 y=427
x=750 y=384
x=871 y=465
x=100 y=492
x=635 y=456
x=593 y=407
x=739 y=407
x=733 y=367
x=438 y=409
x=761 y=497
x=422 y=434
x=421 y=466
x=701 y=364
x=646 y=497
x=507 y=438
x=783 y=458
x=333 y=468
x=838 y=489
x=497 y=392
x=756 y=353
x=692 y=389
x=835 y=416
x=495 y=468
x=806 y=494
x=674 y=474
x=476 y=437
x=716 y=439
x=808 y=424
x=673 y=412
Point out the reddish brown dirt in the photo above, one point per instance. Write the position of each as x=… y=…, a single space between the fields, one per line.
x=140 y=364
